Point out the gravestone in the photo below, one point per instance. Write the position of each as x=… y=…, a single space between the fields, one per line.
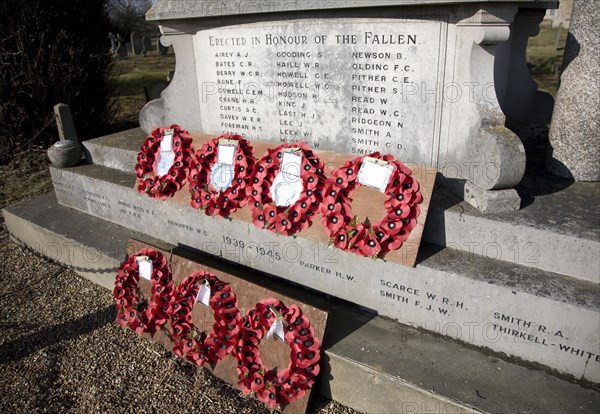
x=146 y=44
x=121 y=50
x=575 y=130
x=425 y=84
x=136 y=43
x=129 y=48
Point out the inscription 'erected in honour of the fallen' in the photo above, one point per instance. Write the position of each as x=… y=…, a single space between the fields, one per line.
x=352 y=87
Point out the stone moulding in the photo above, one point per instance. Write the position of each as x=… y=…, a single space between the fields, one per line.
x=481 y=85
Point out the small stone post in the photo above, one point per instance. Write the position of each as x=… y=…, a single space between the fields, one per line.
x=64 y=122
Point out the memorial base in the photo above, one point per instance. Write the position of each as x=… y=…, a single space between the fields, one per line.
x=486 y=201
x=415 y=371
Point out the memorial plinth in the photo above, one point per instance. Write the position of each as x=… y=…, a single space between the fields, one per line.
x=425 y=83
x=516 y=309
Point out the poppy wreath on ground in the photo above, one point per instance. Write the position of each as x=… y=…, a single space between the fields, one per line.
x=288 y=385
x=286 y=220
x=204 y=194
x=190 y=342
x=366 y=239
x=128 y=307
x=164 y=186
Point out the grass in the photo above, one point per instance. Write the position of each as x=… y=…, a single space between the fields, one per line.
x=544 y=57
x=132 y=75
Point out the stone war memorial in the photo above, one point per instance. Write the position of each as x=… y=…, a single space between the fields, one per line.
x=344 y=188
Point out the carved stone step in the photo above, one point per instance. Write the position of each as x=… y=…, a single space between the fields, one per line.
x=552 y=232
x=536 y=315
x=414 y=370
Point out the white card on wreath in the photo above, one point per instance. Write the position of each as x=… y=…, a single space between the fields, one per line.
x=226 y=151
x=287 y=185
x=145 y=267
x=203 y=295
x=167 y=142
x=277 y=330
x=291 y=164
x=375 y=173
x=164 y=162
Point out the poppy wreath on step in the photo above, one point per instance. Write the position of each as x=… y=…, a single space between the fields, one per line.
x=289 y=384
x=128 y=307
x=204 y=194
x=286 y=220
x=366 y=239
x=190 y=342
x=164 y=186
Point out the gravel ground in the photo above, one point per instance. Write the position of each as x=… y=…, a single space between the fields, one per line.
x=60 y=351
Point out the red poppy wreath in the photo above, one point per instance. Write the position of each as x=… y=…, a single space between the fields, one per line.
x=219 y=188
x=366 y=239
x=128 y=307
x=279 y=216
x=192 y=344
x=287 y=385
x=163 y=169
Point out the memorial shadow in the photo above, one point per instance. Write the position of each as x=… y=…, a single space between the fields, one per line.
x=47 y=337
x=536 y=183
x=435 y=222
x=343 y=318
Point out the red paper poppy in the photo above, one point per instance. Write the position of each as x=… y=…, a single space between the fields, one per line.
x=155 y=314
x=366 y=239
x=164 y=186
x=203 y=194
x=200 y=347
x=289 y=384
x=285 y=220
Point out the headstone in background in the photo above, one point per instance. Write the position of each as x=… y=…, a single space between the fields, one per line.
x=136 y=43
x=574 y=149
x=154 y=90
x=129 y=48
x=146 y=44
x=121 y=50
x=170 y=75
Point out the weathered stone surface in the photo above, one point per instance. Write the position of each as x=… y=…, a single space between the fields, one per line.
x=575 y=131
x=425 y=84
x=412 y=369
x=65 y=123
x=551 y=232
x=509 y=308
x=65 y=153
